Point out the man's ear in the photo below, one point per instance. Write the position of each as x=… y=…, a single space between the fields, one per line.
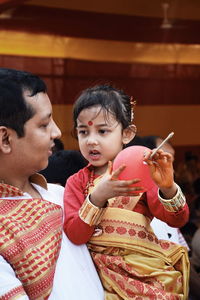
x=5 y=146
x=129 y=133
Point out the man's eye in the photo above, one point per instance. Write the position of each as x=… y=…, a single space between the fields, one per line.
x=45 y=125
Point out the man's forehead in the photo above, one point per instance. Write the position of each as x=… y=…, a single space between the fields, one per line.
x=40 y=103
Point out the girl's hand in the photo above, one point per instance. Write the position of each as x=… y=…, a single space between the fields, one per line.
x=161 y=168
x=109 y=186
x=162 y=172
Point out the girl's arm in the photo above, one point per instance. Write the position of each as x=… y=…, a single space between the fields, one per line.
x=158 y=210
x=77 y=230
x=170 y=205
x=82 y=213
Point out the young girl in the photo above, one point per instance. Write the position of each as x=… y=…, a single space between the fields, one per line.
x=112 y=216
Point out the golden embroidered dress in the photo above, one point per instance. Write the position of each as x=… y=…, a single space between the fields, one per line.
x=132 y=263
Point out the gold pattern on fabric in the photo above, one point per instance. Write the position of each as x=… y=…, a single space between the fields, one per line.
x=132 y=263
x=7 y=190
x=30 y=240
x=90 y=213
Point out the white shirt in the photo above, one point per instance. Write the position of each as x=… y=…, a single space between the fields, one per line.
x=75 y=276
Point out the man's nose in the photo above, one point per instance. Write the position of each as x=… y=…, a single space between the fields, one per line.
x=56 y=133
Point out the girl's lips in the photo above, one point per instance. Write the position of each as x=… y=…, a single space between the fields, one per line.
x=94 y=155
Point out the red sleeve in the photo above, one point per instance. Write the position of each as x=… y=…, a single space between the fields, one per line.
x=77 y=231
x=173 y=219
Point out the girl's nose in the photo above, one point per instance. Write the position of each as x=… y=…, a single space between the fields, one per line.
x=92 y=140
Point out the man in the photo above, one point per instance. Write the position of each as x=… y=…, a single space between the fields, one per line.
x=37 y=261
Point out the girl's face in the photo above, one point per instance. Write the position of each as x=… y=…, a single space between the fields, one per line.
x=100 y=138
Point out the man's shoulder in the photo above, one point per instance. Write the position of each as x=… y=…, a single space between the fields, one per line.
x=53 y=187
x=55 y=193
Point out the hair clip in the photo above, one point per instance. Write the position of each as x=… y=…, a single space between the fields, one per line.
x=133 y=104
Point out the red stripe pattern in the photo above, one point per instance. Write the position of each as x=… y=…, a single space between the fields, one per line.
x=13 y=294
x=30 y=240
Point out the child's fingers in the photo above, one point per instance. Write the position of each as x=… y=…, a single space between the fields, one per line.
x=109 y=168
x=132 y=181
x=147 y=154
x=116 y=173
x=127 y=185
x=159 y=157
x=136 y=189
x=167 y=156
x=130 y=191
x=130 y=194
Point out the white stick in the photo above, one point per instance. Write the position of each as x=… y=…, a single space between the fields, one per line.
x=163 y=142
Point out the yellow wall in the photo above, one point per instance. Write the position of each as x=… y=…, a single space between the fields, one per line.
x=150 y=120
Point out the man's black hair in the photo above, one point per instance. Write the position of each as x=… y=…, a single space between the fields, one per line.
x=14 y=110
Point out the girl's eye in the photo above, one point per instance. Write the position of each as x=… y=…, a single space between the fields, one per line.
x=103 y=131
x=82 y=132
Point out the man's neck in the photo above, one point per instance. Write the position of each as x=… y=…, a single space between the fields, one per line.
x=20 y=183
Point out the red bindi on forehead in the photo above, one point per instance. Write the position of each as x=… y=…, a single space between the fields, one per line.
x=90 y=123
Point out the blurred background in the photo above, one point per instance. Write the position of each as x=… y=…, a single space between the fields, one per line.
x=149 y=48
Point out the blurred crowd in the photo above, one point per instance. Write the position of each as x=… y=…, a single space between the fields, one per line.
x=188 y=177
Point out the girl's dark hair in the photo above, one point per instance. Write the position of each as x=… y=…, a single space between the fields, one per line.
x=14 y=110
x=111 y=100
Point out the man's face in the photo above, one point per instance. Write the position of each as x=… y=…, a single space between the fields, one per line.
x=34 y=148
